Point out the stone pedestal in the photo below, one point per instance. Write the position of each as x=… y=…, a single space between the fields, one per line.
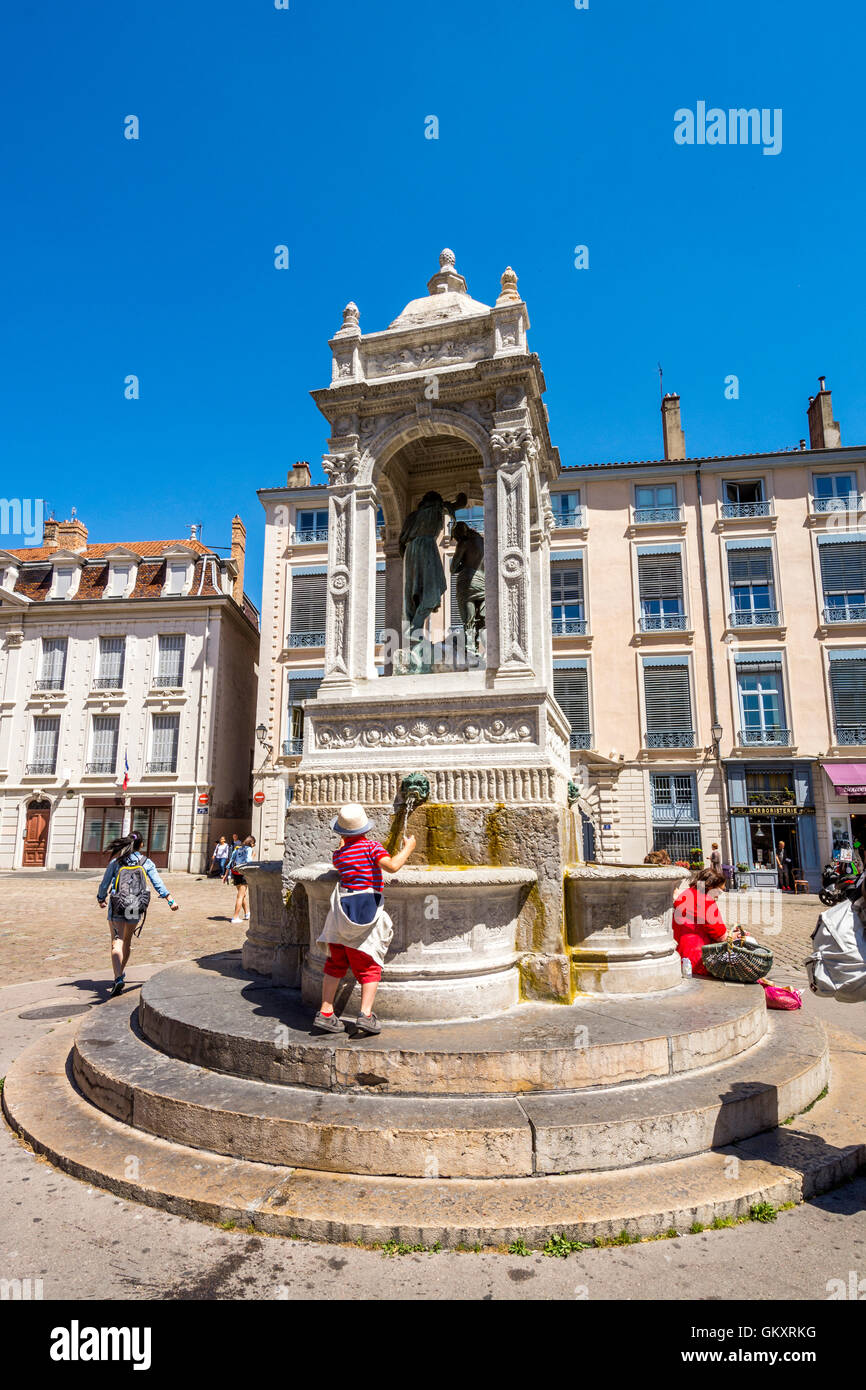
x=619 y=923
x=453 y=955
x=275 y=936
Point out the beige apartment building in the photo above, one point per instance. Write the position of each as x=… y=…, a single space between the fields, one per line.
x=709 y=627
x=127 y=698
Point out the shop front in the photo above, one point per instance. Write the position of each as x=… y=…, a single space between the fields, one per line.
x=103 y=822
x=845 y=789
x=773 y=822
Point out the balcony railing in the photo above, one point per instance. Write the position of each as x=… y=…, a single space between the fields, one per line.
x=574 y=517
x=755 y=617
x=669 y=738
x=569 y=627
x=580 y=740
x=161 y=765
x=103 y=768
x=173 y=681
x=663 y=622
x=678 y=814
x=310 y=535
x=293 y=747
x=644 y=516
x=108 y=683
x=849 y=735
x=305 y=639
x=765 y=738
x=852 y=503
x=736 y=510
x=40 y=769
x=50 y=683
x=845 y=613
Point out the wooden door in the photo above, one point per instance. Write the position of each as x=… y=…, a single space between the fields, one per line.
x=36 y=834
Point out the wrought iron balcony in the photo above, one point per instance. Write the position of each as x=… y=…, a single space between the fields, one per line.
x=293 y=747
x=574 y=517
x=104 y=769
x=669 y=738
x=40 y=769
x=173 y=681
x=161 y=765
x=108 y=683
x=580 y=740
x=847 y=735
x=678 y=813
x=50 y=683
x=845 y=613
x=756 y=617
x=311 y=535
x=663 y=622
x=305 y=639
x=852 y=503
x=735 y=510
x=644 y=516
x=767 y=738
x=569 y=627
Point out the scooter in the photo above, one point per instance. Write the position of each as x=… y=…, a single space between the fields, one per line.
x=837 y=881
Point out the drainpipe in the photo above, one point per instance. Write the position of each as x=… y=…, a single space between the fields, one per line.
x=714 y=700
x=198 y=752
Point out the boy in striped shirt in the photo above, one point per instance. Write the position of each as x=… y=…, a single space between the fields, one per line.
x=357 y=929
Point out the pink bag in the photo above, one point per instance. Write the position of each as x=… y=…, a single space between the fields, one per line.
x=782 y=996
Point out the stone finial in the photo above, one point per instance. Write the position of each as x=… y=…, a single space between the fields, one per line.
x=351 y=320
x=509 y=294
x=447 y=258
x=446 y=278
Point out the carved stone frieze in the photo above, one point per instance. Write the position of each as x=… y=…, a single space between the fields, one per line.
x=423 y=732
x=414 y=359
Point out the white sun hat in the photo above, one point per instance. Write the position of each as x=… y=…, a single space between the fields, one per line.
x=352 y=820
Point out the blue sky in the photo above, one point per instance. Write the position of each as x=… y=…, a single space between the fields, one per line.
x=306 y=127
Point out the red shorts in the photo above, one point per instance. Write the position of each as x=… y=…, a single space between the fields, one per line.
x=342 y=958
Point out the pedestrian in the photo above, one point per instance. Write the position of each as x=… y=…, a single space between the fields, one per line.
x=124 y=883
x=783 y=867
x=357 y=928
x=659 y=857
x=237 y=860
x=715 y=858
x=220 y=855
x=697 y=920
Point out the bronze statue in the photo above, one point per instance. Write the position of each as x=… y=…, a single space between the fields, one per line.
x=468 y=564
x=423 y=575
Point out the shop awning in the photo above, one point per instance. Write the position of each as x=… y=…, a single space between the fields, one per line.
x=848 y=778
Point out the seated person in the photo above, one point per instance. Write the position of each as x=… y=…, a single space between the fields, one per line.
x=697 y=919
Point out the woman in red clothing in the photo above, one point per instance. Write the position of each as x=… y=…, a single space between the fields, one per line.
x=697 y=919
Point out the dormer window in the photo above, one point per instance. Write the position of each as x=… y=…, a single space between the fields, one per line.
x=118 y=580
x=179 y=564
x=175 y=579
x=63 y=581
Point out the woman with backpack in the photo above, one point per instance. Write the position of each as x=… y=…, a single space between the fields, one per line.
x=237 y=861
x=124 y=883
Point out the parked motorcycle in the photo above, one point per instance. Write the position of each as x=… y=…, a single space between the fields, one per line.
x=837 y=881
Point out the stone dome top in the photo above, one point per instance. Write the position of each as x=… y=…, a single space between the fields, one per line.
x=447 y=299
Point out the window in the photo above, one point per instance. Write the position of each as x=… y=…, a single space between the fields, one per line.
x=169 y=663
x=380 y=523
x=300 y=688
x=667 y=697
x=660 y=586
x=744 y=498
x=379 y=620
x=843 y=576
x=567 y=599
x=750 y=575
x=175 y=579
x=311 y=525
x=835 y=492
x=308 y=610
x=111 y=662
x=571 y=691
x=473 y=516
x=762 y=708
x=52 y=669
x=848 y=689
x=164 y=738
x=102 y=824
x=62 y=583
x=118 y=580
x=43 y=753
x=103 y=744
x=566 y=508
x=657 y=502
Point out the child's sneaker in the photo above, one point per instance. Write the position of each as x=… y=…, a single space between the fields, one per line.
x=329 y=1023
x=368 y=1023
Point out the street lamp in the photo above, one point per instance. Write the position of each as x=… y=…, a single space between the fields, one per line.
x=716 y=734
x=262 y=734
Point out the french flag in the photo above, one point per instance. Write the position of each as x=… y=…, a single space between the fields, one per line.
x=125 y=771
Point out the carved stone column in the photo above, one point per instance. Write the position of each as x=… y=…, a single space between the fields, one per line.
x=351 y=591
x=513 y=453
x=393 y=599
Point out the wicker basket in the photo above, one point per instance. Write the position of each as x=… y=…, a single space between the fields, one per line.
x=729 y=960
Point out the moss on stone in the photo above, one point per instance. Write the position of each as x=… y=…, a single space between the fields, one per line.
x=442 y=847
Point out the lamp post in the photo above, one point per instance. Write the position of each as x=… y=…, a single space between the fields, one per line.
x=262 y=736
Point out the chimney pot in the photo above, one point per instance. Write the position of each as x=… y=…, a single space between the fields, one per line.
x=824 y=431
x=672 y=427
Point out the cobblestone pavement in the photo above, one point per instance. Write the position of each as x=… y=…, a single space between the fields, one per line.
x=50 y=925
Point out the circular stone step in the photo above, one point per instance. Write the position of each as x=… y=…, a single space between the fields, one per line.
x=215 y=1014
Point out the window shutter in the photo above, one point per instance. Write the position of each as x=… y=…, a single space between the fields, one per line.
x=46 y=735
x=105 y=732
x=666 y=690
x=170 y=666
x=660 y=576
x=303 y=690
x=166 y=728
x=843 y=566
x=571 y=690
x=53 y=658
x=111 y=651
x=848 y=684
x=566 y=583
x=456 y=620
x=750 y=566
x=380 y=601
x=308 y=602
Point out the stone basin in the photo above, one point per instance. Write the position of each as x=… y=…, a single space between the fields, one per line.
x=619 y=925
x=453 y=954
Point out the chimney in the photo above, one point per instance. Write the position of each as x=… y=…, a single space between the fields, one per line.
x=49 y=533
x=300 y=475
x=239 y=550
x=672 y=427
x=824 y=432
x=72 y=535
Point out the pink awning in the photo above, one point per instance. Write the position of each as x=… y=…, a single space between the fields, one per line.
x=848 y=778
